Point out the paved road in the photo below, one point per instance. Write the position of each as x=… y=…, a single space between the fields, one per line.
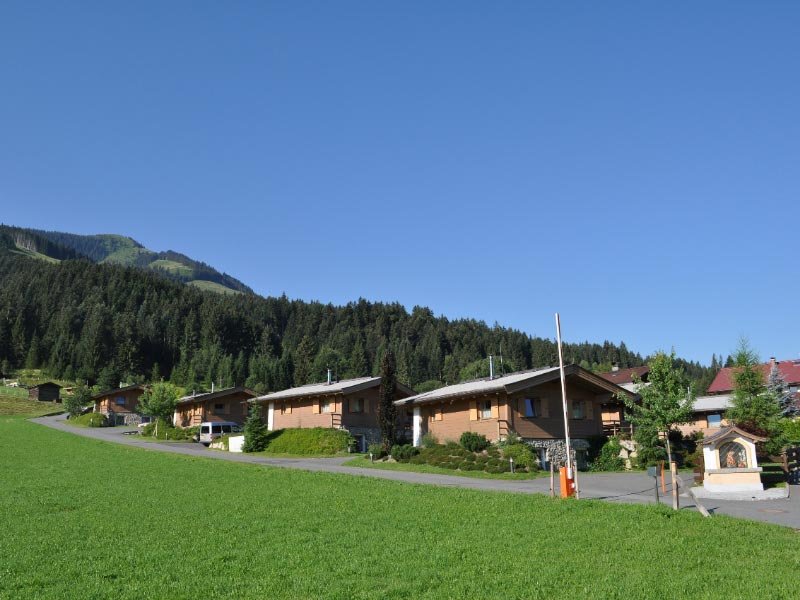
x=610 y=487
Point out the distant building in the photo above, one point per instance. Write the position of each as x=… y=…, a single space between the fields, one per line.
x=121 y=405
x=627 y=378
x=708 y=414
x=350 y=404
x=229 y=404
x=528 y=403
x=790 y=370
x=45 y=392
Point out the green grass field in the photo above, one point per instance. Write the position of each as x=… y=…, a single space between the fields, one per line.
x=20 y=406
x=212 y=286
x=86 y=519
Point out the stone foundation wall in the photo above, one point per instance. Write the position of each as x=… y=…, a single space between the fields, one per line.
x=557 y=451
x=372 y=435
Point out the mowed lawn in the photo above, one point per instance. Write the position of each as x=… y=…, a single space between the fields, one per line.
x=87 y=519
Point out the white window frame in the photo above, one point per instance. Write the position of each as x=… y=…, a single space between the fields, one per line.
x=485 y=410
x=718 y=423
x=325 y=406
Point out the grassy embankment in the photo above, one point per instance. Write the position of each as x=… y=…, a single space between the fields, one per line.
x=12 y=403
x=126 y=523
x=366 y=463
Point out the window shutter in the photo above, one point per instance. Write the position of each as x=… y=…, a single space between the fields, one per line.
x=289 y=407
x=495 y=408
x=333 y=406
x=589 y=410
x=473 y=410
x=544 y=407
x=315 y=407
x=439 y=413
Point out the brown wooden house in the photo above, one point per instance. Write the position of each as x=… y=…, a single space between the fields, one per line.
x=528 y=403
x=349 y=404
x=121 y=405
x=229 y=404
x=45 y=392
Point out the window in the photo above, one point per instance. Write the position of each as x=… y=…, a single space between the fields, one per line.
x=219 y=407
x=532 y=407
x=577 y=410
x=486 y=409
x=119 y=400
x=325 y=406
x=356 y=405
x=715 y=420
x=226 y=429
x=204 y=429
x=216 y=429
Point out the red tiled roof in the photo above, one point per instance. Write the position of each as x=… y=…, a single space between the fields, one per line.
x=723 y=382
x=626 y=375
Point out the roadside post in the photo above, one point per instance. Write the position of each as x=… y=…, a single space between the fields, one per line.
x=655 y=473
x=673 y=469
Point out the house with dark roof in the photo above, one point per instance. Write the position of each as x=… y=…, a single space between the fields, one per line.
x=229 y=404
x=631 y=380
x=528 y=403
x=121 y=405
x=45 y=392
x=350 y=404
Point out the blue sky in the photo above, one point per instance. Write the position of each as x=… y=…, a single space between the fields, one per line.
x=633 y=166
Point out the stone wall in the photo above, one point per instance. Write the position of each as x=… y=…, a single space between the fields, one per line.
x=372 y=435
x=557 y=451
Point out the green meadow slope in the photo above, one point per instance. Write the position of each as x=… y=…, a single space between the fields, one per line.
x=88 y=519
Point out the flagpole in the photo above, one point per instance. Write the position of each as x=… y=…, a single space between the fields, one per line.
x=564 y=398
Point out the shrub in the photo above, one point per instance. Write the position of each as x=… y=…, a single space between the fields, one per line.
x=403 y=452
x=608 y=459
x=474 y=442
x=167 y=431
x=429 y=441
x=523 y=456
x=376 y=450
x=90 y=420
x=255 y=431
x=305 y=442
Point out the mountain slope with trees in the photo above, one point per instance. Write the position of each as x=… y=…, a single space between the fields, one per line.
x=122 y=250
x=105 y=323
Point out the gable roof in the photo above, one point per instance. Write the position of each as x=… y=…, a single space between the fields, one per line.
x=723 y=382
x=731 y=431
x=44 y=384
x=512 y=383
x=127 y=388
x=217 y=395
x=718 y=402
x=623 y=376
x=345 y=386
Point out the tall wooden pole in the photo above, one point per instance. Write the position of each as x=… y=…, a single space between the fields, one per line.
x=564 y=399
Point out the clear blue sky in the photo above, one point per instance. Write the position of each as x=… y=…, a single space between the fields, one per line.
x=631 y=165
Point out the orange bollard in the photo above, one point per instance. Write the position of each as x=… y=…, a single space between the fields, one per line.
x=567 y=483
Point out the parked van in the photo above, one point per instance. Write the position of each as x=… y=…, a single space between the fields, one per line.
x=214 y=429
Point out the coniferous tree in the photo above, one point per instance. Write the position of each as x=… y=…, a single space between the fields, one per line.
x=387 y=412
x=255 y=431
x=779 y=390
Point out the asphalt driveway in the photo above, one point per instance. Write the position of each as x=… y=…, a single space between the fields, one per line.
x=610 y=487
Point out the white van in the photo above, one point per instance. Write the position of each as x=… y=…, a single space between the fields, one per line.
x=212 y=430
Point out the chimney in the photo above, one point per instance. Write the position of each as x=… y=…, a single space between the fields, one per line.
x=330 y=377
x=491 y=367
x=771 y=361
x=212 y=387
x=614 y=367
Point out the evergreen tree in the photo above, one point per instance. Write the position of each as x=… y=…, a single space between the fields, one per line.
x=304 y=358
x=387 y=411
x=754 y=408
x=359 y=364
x=255 y=431
x=779 y=390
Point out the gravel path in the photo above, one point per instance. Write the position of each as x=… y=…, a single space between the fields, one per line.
x=610 y=487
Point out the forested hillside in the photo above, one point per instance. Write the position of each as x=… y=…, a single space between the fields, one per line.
x=122 y=250
x=107 y=323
